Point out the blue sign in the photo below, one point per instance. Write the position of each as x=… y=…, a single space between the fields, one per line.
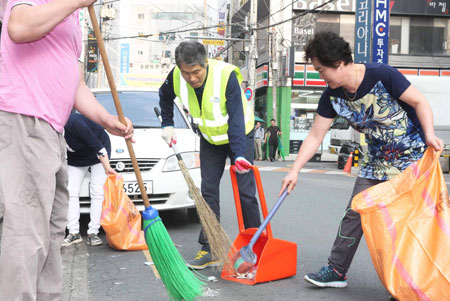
x=380 y=31
x=363 y=21
x=248 y=93
x=124 y=58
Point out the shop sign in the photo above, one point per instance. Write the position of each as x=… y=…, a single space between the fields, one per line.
x=313 y=78
x=214 y=42
x=299 y=75
x=420 y=7
x=124 y=58
x=262 y=75
x=380 y=31
x=334 y=6
x=363 y=22
x=92 y=53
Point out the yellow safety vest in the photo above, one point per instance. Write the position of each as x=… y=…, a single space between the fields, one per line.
x=212 y=118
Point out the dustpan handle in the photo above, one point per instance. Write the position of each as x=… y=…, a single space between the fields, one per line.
x=237 y=199
x=268 y=218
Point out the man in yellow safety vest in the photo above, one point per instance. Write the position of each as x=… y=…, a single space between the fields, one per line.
x=212 y=92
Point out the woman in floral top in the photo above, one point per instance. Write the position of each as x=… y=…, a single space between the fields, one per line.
x=378 y=101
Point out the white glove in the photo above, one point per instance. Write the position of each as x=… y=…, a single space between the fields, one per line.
x=168 y=134
x=241 y=165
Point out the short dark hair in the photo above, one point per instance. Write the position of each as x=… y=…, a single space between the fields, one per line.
x=190 y=53
x=272 y=120
x=329 y=48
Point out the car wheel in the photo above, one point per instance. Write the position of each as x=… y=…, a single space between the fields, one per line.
x=193 y=215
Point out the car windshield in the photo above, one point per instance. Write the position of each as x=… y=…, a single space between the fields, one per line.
x=139 y=106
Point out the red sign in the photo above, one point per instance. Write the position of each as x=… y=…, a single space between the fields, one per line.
x=248 y=93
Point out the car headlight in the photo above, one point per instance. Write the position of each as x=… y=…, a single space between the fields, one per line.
x=190 y=159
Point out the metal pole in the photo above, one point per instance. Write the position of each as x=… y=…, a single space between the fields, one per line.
x=253 y=46
x=274 y=76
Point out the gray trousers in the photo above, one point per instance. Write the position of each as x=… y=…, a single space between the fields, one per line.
x=34 y=196
x=349 y=232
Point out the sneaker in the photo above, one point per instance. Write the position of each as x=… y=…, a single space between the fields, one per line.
x=94 y=240
x=327 y=277
x=71 y=239
x=201 y=261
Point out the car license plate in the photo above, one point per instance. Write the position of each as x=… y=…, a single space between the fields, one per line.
x=132 y=188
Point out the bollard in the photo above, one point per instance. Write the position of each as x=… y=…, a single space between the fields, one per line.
x=355 y=158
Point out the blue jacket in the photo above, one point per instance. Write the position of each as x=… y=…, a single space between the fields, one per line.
x=84 y=140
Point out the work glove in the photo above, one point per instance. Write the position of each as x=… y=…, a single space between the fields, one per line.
x=241 y=165
x=168 y=134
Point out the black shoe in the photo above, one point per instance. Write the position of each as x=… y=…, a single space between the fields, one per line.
x=71 y=239
x=201 y=261
x=327 y=277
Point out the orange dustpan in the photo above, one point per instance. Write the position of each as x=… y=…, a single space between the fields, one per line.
x=276 y=258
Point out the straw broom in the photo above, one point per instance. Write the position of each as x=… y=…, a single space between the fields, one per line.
x=219 y=241
x=179 y=281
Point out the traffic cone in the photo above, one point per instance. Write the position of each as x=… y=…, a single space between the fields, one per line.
x=348 y=164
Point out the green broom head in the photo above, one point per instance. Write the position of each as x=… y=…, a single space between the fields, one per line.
x=180 y=282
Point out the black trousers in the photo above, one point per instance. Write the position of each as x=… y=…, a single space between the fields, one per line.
x=350 y=231
x=212 y=165
x=273 y=149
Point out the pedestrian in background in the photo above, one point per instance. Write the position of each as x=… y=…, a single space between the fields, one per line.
x=212 y=91
x=88 y=149
x=40 y=82
x=259 y=137
x=272 y=134
x=380 y=102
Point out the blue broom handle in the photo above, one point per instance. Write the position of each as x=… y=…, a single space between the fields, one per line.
x=268 y=218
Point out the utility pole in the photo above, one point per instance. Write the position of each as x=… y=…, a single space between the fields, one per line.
x=253 y=50
x=274 y=74
x=99 y=60
x=230 y=21
x=205 y=24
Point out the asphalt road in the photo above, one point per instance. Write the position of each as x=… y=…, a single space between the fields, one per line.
x=309 y=217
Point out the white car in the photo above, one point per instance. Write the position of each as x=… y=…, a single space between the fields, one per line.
x=166 y=186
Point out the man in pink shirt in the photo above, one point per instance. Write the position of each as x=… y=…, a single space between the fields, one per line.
x=40 y=82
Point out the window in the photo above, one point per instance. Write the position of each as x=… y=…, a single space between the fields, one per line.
x=427 y=37
x=167 y=53
x=140 y=52
x=418 y=35
x=141 y=16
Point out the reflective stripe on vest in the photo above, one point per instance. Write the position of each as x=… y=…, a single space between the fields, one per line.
x=212 y=119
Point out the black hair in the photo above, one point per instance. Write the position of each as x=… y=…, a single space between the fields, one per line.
x=329 y=48
x=272 y=120
x=190 y=53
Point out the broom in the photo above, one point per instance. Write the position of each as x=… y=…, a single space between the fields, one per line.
x=179 y=281
x=219 y=241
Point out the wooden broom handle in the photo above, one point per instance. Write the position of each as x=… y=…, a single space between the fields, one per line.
x=117 y=104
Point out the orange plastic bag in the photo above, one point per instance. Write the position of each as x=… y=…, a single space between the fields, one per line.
x=406 y=222
x=120 y=218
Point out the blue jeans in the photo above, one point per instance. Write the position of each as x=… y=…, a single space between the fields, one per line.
x=212 y=165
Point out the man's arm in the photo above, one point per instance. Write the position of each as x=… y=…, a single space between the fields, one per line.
x=29 y=23
x=236 y=120
x=166 y=97
x=87 y=105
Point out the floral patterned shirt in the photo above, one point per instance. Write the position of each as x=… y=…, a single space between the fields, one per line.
x=392 y=130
